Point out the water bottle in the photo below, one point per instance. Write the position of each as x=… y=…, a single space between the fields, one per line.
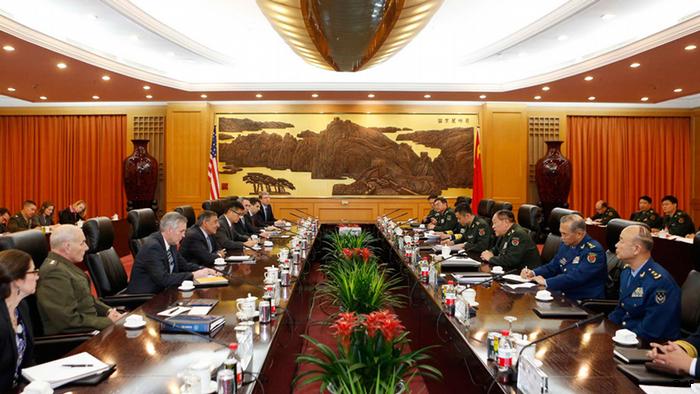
x=450 y=298
x=233 y=363
x=505 y=352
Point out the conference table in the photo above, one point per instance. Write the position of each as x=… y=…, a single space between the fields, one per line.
x=579 y=360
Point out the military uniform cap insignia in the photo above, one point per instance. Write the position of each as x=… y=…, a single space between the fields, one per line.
x=591 y=258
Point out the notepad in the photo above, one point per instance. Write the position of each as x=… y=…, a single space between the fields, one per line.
x=460 y=262
x=520 y=285
x=632 y=355
x=515 y=278
x=56 y=374
x=211 y=281
x=238 y=258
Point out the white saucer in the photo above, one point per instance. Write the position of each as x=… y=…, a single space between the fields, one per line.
x=134 y=326
x=550 y=298
x=626 y=343
x=240 y=316
x=220 y=263
x=186 y=288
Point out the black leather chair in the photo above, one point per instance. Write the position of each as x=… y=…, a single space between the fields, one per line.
x=46 y=347
x=30 y=241
x=690 y=303
x=551 y=243
x=500 y=205
x=530 y=218
x=105 y=266
x=143 y=223
x=188 y=212
x=615 y=227
x=485 y=208
x=216 y=206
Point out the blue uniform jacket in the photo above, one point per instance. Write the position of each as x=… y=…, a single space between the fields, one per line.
x=650 y=303
x=579 y=271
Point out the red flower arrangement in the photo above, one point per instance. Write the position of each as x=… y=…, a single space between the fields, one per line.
x=364 y=253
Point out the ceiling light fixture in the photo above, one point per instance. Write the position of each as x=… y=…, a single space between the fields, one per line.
x=483 y=96
x=678 y=90
x=259 y=95
x=203 y=96
x=10 y=48
x=146 y=87
x=635 y=65
x=148 y=96
x=43 y=98
x=591 y=98
x=371 y=95
x=545 y=88
x=427 y=96
x=314 y=95
x=95 y=97
x=607 y=17
x=11 y=89
x=563 y=37
x=688 y=48
x=61 y=65
x=537 y=97
x=588 y=78
x=106 y=77
x=645 y=98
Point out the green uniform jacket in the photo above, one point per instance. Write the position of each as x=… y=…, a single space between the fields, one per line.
x=476 y=237
x=446 y=221
x=18 y=223
x=431 y=215
x=64 y=299
x=648 y=217
x=515 y=250
x=609 y=214
x=679 y=223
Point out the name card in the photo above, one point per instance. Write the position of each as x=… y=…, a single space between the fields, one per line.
x=531 y=379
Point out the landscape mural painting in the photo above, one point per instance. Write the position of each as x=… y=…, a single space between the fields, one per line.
x=343 y=154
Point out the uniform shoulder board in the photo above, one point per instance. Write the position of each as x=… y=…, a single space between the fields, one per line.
x=590 y=245
x=51 y=262
x=626 y=266
x=654 y=274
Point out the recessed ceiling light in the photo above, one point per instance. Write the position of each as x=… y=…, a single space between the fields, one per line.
x=688 y=48
x=607 y=17
x=635 y=65
x=134 y=37
x=371 y=95
x=545 y=88
x=483 y=96
x=146 y=87
x=563 y=37
x=61 y=65
x=43 y=98
x=11 y=89
x=95 y=97
x=645 y=98
x=170 y=54
x=258 y=95
x=591 y=98
x=203 y=96
x=588 y=78
x=10 y=48
x=678 y=90
x=314 y=95
x=427 y=96
x=148 y=96
x=537 y=97
x=106 y=77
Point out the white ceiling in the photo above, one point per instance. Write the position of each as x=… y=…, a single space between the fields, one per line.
x=480 y=45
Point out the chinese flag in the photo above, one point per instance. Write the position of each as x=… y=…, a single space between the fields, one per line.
x=478 y=184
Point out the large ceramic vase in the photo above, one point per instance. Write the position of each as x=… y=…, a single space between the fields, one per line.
x=553 y=177
x=140 y=177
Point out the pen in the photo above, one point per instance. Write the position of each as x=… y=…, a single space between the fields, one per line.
x=76 y=365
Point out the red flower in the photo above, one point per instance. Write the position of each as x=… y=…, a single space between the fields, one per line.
x=392 y=328
x=365 y=254
x=373 y=322
x=348 y=253
x=385 y=322
x=344 y=326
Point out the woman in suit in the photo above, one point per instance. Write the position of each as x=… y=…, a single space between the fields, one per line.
x=18 y=277
x=73 y=213
x=45 y=216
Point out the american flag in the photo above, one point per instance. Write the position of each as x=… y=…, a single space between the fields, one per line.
x=213 y=169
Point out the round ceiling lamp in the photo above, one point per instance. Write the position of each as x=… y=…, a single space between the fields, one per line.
x=348 y=35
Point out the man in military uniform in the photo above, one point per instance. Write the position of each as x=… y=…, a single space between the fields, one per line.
x=63 y=293
x=604 y=213
x=514 y=247
x=445 y=219
x=646 y=214
x=579 y=268
x=682 y=354
x=23 y=220
x=473 y=231
x=676 y=222
x=650 y=300
x=4 y=218
x=431 y=215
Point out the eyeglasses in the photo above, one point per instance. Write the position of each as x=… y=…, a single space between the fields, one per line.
x=239 y=213
x=33 y=272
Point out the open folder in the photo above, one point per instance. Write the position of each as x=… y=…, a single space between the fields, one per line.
x=66 y=370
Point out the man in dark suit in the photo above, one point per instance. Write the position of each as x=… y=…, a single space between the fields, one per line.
x=265 y=215
x=255 y=207
x=4 y=218
x=159 y=265
x=246 y=225
x=199 y=245
x=226 y=235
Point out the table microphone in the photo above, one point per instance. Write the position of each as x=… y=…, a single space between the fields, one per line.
x=565 y=329
x=295 y=215
x=392 y=212
x=400 y=216
x=284 y=229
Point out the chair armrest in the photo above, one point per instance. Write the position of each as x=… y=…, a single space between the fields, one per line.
x=599 y=305
x=130 y=301
x=51 y=347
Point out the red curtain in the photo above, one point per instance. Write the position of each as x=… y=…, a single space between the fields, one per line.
x=619 y=159
x=63 y=159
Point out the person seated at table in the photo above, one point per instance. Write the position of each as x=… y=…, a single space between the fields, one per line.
x=650 y=300
x=199 y=245
x=226 y=235
x=18 y=278
x=430 y=218
x=675 y=222
x=255 y=206
x=4 y=219
x=681 y=354
x=604 y=213
x=73 y=213
x=159 y=265
x=63 y=295
x=514 y=248
x=265 y=215
x=246 y=225
x=24 y=219
x=473 y=231
x=445 y=218
x=579 y=269
x=646 y=214
x=45 y=216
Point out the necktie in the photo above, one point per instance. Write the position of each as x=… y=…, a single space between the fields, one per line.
x=171 y=261
x=265 y=210
x=209 y=244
